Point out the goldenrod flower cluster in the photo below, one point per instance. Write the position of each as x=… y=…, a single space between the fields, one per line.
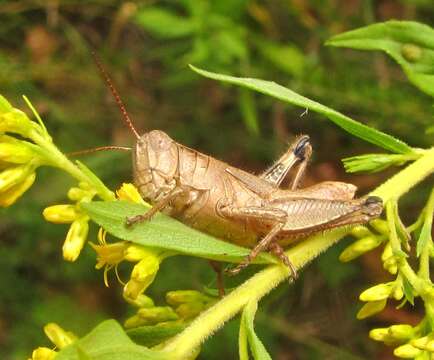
x=71 y=214
x=184 y=305
x=410 y=342
x=19 y=156
x=111 y=255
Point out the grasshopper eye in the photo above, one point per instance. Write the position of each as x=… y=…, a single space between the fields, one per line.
x=374 y=200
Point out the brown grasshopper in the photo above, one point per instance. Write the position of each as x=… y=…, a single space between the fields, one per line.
x=228 y=203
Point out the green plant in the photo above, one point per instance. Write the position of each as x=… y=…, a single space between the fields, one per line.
x=177 y=331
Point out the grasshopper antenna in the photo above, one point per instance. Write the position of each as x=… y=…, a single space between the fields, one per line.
x=101 y=148
x=115 y=95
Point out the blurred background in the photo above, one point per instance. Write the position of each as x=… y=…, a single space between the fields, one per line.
x=45 y=53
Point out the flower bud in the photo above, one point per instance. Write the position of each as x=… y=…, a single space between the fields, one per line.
x=133 y=289
x=380 y=225
x=15 y=153
x=60 y=214
x=380 y=334
x=360 y=231
x=157 y=314
x=359 y=247
x=420 y=343
x=142 y=276
x=144 y=271
x=8 y=197
x=43 y=353
x=13 y=176
x=77 y=194
x=128 y=192
x=406 y=351
x=430 y=345
x=401 y=332
x=142 y=301
x=16 y=121
x=75 y=239
x=178 y=297
x=134 y=321
x=377 y=292
x=398 y=292
x=371 y=308
x=190 y=310
x=391 y=265
x=58 y=336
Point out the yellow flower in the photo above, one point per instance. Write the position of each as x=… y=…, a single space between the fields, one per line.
x=75 y=238
x=109 y=255
x=129 y=192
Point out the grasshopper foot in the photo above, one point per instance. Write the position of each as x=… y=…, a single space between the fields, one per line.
x=132 y=220
x=277 y=250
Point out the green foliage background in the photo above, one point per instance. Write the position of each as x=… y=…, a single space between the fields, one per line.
x=45 y=53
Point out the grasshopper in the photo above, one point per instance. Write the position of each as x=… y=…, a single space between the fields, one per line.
x=237 y=206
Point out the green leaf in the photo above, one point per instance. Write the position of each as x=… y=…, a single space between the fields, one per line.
x=164 y=232
x=4 y=105
x=154 y=335
x=409 y=43
x=279 y=92
x=376 y=162
x=164 y=24
x=408 y=290
x=256 y=347
x=108 y=341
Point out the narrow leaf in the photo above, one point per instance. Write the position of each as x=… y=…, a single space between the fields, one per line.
x=409 y=43
x=257 y=348
x=279 y=92
x=108 y=341
x=164 y=232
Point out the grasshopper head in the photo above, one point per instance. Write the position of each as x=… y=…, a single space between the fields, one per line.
x=155 y=159
x=373 y=206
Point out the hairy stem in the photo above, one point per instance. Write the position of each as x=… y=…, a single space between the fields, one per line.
x=182 y=345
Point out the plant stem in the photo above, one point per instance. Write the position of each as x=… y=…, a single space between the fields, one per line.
x=57 y=159
x=425 y=254
x=182 y=345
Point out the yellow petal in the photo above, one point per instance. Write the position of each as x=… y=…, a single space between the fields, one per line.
x=128 y=192
x=75 y=239
x=7 y=198
x=60 y=214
